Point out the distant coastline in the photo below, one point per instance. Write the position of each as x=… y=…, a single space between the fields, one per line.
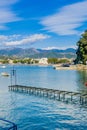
x=55 y=66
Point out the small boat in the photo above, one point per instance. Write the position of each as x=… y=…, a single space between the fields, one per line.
x=5 y=74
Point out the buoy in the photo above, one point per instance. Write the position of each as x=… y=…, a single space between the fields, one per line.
x=86 y=84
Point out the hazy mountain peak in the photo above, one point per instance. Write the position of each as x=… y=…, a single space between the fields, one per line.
x=35 y=53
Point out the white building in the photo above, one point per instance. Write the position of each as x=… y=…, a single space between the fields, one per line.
x=43 y=61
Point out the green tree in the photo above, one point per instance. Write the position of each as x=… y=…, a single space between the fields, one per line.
x=82 y=49
x=5 y=62
x=15 y=61
x=53 y=60
x=63 y=60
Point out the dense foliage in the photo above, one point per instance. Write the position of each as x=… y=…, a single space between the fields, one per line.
x=82 y=49
x=57 y=61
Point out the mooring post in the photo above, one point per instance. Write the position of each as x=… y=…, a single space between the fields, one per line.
x=64 y=97
x=13 y=77
x=59 y=96
x=80 y=99
x=71 y=97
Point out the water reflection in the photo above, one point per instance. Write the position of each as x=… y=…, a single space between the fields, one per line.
x=81 y=80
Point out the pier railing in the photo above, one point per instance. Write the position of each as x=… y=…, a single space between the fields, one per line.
x=52 y=93
x=7 y=125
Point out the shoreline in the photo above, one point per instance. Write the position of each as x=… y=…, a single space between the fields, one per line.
x=56 y=66
x=71 y=67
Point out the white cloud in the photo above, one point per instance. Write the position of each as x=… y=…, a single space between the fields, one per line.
x=67 y=19
x=16 y=40
x=7 y=2
x=62 y=48
x=27 y=40
x=7 y=15
x=4 y=38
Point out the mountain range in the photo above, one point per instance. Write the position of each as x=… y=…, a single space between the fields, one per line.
x=38 y=53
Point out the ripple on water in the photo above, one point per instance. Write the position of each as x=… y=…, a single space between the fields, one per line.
x=31 y=112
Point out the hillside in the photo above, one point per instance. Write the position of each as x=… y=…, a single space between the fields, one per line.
x=38 y=53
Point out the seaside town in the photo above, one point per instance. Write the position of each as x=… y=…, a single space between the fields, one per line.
x=57 y=63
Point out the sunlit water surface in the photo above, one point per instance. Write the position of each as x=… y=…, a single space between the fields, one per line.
x=32 y=112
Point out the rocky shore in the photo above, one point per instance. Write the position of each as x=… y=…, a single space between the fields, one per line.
x=71 y=67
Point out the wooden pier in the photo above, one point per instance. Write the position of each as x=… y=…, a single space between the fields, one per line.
x=52 y=93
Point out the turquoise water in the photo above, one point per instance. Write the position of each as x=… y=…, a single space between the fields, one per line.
x=32 y=112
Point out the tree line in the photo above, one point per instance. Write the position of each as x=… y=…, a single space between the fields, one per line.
x=82 y=49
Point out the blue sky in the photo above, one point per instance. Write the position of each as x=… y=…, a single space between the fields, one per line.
x=42 y=23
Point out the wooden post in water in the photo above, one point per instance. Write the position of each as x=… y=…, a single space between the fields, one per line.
x=13 y=77
x=51 y=93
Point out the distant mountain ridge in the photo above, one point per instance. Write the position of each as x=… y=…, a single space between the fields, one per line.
x=38 y=53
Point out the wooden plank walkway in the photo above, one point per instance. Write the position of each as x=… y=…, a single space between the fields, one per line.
x=52 y=93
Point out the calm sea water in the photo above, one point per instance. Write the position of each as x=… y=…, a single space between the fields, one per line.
x=32 y=112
